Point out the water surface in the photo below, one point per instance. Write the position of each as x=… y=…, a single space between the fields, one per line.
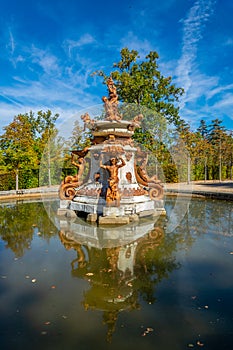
x=167 y=289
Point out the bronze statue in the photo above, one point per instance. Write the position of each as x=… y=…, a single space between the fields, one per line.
x=113 y=97
x=141 y=170
x=111 y=103
x=67 y=188
x=88 y=122
x=155 y=189
x=113 y=194
x=80 y=165
x=136 y=122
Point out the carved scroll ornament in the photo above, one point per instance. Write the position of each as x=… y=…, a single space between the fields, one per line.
x=68 y=185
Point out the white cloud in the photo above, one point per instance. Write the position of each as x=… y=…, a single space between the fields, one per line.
x=11 y=44
x=12 y=99
x=11 y=50
x=193 y=27
x=47 y=61
x=202 y=86
x=7 y=113
x=228 y=42
x=207 y=99
x=225 y=102
x=132 y=41
x=215 y=91
x=85 y=39
x=65 y=96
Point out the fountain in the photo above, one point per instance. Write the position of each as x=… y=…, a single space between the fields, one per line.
x=116 y=188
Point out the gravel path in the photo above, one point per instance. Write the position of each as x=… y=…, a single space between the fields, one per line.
x=211 y=189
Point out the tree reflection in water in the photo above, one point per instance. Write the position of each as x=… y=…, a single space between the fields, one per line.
x=18 y=223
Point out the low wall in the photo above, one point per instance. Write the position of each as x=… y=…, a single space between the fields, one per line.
x=30 y=193
x=169 y=189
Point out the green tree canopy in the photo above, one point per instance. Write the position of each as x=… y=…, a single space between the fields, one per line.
x=142 y=83
x=17 y=144
x=23 y=143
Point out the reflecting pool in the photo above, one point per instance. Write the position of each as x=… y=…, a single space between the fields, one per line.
x=162 y=289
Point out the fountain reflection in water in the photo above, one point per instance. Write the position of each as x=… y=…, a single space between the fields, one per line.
x=114 y=273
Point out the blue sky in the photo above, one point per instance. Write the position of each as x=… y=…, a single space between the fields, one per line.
x=49 y=48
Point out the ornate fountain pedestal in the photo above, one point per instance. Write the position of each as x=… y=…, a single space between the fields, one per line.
x=117 y=189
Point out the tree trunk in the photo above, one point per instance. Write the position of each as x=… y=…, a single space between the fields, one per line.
x=17 y=180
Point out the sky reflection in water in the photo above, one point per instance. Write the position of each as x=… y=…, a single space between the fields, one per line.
x=165 y=290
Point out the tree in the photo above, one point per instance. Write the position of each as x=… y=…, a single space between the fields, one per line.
x=142 y=83
x=203 y=128
x=17 y=145
x=2 y=161
x=80 y=138
x=216 y=136
x=45 y=126
x=214 y=149
x=23 y=143
x=216 y=131
x=51 y=148
x=230 y=155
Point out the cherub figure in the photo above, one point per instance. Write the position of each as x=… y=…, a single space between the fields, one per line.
x=136 y=122
x=67 y=187
x=113 y=97
x=80 y=165
x=111 y=103
x=88 y=122
x=141 y=170
x=113 y=195
x=113 y=167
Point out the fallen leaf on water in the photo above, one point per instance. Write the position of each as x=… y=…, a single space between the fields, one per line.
x=147 y=331
x=89 y=274
x=33 y=280
x=199 y=343
x=231 y=253
x=53 y=287
x=43 y=332
x=190 y=345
